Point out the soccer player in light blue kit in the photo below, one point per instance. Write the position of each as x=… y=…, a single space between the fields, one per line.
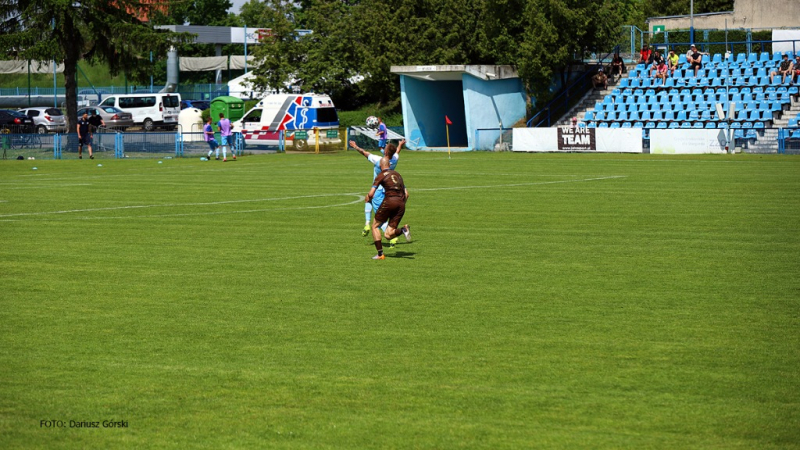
x=377 y=199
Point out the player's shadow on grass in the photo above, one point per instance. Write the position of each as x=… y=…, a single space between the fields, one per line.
x=406 y=255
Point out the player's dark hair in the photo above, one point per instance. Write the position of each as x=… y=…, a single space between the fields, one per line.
x=390 y=150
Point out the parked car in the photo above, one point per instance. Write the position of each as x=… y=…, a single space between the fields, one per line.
x=202 y=105
x=113 y=117
x=47 y=120
x=15 y=122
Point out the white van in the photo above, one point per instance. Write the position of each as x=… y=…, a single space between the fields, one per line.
x=148 y=110
x=296 y=115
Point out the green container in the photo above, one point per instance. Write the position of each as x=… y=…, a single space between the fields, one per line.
x=232 y=107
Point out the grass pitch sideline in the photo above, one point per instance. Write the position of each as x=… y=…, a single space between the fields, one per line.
x=546 y=301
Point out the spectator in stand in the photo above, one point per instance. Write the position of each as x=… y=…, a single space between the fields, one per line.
x=785 y=68
x=600 y=80
x=695 y=58
x=644 y=54
x=617 y=66
x=673 y=62
x=796 y=70
x=661 y=71
x=655 y=59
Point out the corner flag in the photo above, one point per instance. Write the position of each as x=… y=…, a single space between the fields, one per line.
x=447 y=120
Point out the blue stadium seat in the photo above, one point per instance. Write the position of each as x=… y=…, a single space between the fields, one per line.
x=620 y=107
x=622 y=116
x=681 y=115
x=723 y=125
x=777 y=56
x=752 y=57
x=611 y=115
x=759 y=125
x=694 y=115
x=716 y=82
x=698 y=125
x=614 y=125
x=740 y=58
x=716 y=59
x=626 y=125
x=673 y=125
x=638 y=125
x=646 y=115
x=591 y=125
x=764 y=57
x=623 y=83
x=669 y=115
x=670 y=83
x=658 y=115
x=588 y=116
x=662 y=125
x=650 y=125
x=792 y=123
x=682 y=59
x=686 y=125
x=603 y=125
x=736 y=125
x=599 y=115
x=633 y=116
x=711 y=125
x=747 y=124
x=796 y=134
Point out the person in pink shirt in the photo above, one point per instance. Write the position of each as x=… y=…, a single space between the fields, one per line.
x=226 y=135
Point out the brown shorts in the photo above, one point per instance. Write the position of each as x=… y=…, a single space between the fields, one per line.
x=392 y=209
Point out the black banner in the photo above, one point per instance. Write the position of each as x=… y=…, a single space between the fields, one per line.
x=576 y=139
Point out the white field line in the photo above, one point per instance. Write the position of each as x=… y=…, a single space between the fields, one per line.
x=5 y=217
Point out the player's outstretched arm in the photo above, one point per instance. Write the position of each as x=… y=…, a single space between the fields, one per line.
x=359 y=149
x=399 y=146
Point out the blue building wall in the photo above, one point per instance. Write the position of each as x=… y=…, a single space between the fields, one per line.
x=471 y=104
x=490 y=103
x=425 y=103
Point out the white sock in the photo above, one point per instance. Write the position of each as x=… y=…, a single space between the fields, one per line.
x=225 y=152
x=367 y=211
x=217 y=152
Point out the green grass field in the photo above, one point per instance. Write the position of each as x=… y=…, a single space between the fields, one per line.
x=546 y=301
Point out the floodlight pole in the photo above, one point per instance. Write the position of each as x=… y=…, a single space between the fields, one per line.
x=691 y=22
x=728 y=130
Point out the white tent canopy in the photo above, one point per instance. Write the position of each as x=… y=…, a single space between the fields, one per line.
x=208 y=63
x=7 y=67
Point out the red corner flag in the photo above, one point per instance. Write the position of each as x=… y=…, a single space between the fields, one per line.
x=447 y=120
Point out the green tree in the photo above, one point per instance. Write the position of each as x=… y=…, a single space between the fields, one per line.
x=559 y=32
x=280 y=54
x=91 y=30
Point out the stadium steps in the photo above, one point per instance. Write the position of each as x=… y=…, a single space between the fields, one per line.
x=792 y=113
x=588 y=101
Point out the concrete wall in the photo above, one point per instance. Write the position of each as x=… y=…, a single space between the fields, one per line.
x=490 y=103
x=425 y=103
x=746 y=14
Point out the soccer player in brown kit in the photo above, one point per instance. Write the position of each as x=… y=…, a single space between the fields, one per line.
x=392 y=208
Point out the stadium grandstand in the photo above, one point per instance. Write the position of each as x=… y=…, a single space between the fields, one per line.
x=687 y=101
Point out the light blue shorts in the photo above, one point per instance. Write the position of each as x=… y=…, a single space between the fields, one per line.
x=226 y=140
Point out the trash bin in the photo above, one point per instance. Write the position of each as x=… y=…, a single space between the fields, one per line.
x=232 y=107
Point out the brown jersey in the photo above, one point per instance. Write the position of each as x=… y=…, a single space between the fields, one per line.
x=392 y=183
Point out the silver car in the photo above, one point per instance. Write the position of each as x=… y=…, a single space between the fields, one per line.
x=114 y=118
x=47 y=120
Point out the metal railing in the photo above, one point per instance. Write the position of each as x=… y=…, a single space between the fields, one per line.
x=561 y=104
